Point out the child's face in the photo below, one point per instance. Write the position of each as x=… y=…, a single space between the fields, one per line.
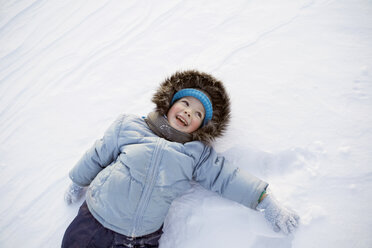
x=186 y=115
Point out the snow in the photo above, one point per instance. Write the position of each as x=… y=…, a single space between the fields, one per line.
x=299 y=75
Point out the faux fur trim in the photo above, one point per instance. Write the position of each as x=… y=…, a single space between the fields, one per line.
x=195 y=79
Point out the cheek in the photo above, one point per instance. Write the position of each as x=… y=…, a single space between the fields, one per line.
x=196 y=124
x=175 y=108
x=172 y=112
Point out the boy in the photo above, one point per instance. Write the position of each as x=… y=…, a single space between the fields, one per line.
x=142 y=164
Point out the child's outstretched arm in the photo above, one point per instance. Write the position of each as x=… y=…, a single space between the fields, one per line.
x=101 y=154
x=279 y=217
x=215 y=174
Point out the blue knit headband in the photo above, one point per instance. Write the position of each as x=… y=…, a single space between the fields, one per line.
x=203 y=98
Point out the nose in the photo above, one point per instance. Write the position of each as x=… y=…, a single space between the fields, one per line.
x=187 y=112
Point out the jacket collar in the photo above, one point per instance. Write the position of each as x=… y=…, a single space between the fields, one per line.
x=161 y=127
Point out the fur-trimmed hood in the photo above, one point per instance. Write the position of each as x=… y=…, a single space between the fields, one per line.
x=215 y=89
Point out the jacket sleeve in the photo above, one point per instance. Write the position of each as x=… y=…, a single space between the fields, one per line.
x=100 y=155
x=214 y=173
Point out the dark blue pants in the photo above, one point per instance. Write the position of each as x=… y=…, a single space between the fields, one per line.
x=86 y=231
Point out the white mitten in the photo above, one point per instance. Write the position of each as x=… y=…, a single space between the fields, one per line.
x=279 y=217
x=73 y=193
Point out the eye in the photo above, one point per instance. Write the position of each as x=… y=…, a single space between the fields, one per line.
x=185 y=102
x=199 y=115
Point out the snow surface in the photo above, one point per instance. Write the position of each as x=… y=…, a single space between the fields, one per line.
x=299 y=73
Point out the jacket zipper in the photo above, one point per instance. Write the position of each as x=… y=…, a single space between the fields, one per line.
x=149 y=184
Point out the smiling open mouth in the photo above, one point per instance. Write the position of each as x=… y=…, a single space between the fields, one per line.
x=178 y=117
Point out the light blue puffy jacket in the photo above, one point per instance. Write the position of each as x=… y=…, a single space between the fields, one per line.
x=134 y=175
